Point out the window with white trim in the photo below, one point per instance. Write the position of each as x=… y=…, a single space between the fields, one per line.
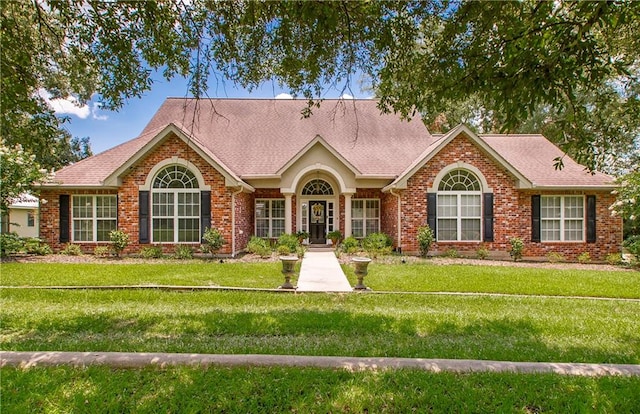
x=562 y=218
x=175 y=206
x=365 y=217
x=93 y=217
x=269 y=217
x=459 y=207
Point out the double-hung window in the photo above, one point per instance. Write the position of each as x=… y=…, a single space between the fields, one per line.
x=94 y=217
x=562 y=218
x=365 y=217
x=269 y=217
x=175 y=206
x=459 y=207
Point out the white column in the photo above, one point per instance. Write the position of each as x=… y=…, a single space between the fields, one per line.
x=347 y=214
x=287 y=213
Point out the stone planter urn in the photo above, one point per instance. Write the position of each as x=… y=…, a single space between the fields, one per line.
x=361 y=271
x=288 y=269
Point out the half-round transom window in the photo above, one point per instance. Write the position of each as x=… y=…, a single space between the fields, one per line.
x=317 y=187
x=459 y=180
x=175 y=176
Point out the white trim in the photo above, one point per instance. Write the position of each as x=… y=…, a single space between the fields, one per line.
x=94 y=219
x=169 y=162
x=460 y=165
x=318 y=140
x=364 y=217
x=318 y=167
x=562 y=219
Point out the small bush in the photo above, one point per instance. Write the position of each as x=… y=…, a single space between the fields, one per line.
x=350 y=245
x=555 y=257
x=517 y=247
x=301 y=251
x=101 y=251
x=34 y=245
x=614 y=259
x=584 y=257
x=377 y=244
x=183 y=252
x=283 y=250
x=151 y=252
x=119 y=241
x=482 y=252
x=425 y=239
x=335 y=236
x=213 y=241
x=71 y=250
x=288 y=240
x=632 y=244
x=452 y=253
x=10 y=243
x=259 y=246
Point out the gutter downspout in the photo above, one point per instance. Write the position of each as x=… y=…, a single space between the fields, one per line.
x=233 y=221
x=399 y=218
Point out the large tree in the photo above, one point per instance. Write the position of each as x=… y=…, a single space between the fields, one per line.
x=517 y=59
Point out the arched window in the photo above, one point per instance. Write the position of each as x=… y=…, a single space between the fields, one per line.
x=175 y=206
x=459 y=207
x=317 y=187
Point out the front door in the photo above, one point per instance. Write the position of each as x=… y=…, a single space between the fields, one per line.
x=317 y=225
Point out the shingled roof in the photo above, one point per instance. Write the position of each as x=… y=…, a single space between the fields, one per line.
x=257 y=137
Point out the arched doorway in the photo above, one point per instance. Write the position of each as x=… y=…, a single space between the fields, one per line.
x=317 y=209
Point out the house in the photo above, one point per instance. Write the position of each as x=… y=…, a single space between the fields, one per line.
x=258 y=167
x=21 y=217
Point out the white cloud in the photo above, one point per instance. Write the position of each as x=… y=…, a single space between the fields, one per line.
x=284 y=96
x=346 y=96
x=71 y=106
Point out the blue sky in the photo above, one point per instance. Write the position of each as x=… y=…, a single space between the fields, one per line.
x=107 y=129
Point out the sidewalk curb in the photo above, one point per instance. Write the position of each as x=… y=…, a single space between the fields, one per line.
x=140 y=360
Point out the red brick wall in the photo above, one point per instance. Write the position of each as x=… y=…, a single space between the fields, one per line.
x=245 y=214
x=512 y=209
x=128 y=198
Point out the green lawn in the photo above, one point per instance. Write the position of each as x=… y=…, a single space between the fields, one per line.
x=420 y=277
x=515 y=328
x=306 y=390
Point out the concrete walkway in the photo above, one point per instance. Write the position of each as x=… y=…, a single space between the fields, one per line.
x=321 y=272
x=139 y=360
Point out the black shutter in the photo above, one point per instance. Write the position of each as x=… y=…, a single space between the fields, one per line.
x=591 y=219
x=65 y=205
x=431 y=211
x=205 y=211
x=488 y=217
x=143 y=217
x=535 y=218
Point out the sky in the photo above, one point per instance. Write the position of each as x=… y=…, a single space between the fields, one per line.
x=106 y=129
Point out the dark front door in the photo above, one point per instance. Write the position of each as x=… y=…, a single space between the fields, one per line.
x=317 y=219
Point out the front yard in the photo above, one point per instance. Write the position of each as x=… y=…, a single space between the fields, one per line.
x=559 y=327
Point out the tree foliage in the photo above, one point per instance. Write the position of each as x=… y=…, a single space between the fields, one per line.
x=518 y=60
x=18 y=171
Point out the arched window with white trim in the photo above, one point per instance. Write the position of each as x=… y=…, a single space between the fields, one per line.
x=459 y=207
x=175 y=206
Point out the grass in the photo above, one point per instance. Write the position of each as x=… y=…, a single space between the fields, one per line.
x=242 y=390
x=401 y=325
x=421 y=277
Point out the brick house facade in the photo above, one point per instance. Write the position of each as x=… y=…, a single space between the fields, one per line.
x=256 y=167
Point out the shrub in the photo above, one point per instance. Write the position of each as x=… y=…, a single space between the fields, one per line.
x=288 y=240
x=71 y=250
x=259 y=246
x=614 y=258
x=632 y=244
x=283 y=250
x=34 y=245
x=425 y=239
x=183 y=252
x=213 y=241
x=452 y=253
x=482 y=252
x=151 y=252
x=377 y=244
x=555 y=257
x=101 y=251
x=335 y=236
x=119 y=241
x=301 y=235
x=517 y=247
x=10 y=243
x=584 y=257
x=301 y=251
x=350 y=245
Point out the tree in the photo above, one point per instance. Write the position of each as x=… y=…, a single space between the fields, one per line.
x=18 y=171
x=517 y=58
